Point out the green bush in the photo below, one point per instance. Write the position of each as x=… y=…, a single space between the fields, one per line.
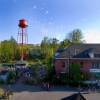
x=31 y=82
x=11 y=77
x=1 y=82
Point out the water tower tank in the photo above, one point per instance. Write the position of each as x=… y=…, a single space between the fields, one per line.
x=23 y=23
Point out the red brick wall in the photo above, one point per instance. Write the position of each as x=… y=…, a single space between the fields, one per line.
x=59 y=66
x=86 y=64
x=85 y=67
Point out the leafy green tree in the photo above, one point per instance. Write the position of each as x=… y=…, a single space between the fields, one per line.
x=13 y=48
x=45 y=46
x=17 y=54
x=65 y=43
x=11 y=77
x=4 y=51
x=8 y=50
x=36 y=54
x=49 y=47
x=75 y=73
x=75 y=36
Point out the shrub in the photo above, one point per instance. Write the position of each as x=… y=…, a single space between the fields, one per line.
x=11 y=77
x=1 y=82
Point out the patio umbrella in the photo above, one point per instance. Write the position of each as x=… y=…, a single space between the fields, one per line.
x=77 y=96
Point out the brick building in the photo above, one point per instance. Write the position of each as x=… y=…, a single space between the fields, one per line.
x=87 y=55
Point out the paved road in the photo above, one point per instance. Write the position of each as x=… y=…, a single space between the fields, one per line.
x=40 y=95
x=92 y=96
x=24 y=92
x=49 y=96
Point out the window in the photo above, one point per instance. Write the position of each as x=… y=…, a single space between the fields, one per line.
x=63 y=64
x=81 y=63
x=76 y=51
x=96 y=65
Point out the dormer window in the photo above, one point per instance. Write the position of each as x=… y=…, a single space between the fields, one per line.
x=76 y=51
x=57 y=54
x=91 y=54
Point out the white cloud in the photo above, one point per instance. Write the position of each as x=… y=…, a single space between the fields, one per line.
x=92 y=36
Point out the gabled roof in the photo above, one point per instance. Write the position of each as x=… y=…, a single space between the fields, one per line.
x=80 y=51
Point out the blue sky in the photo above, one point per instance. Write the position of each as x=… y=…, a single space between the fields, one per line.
x=52 y=18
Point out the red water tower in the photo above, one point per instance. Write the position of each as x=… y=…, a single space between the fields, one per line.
x=22 y=36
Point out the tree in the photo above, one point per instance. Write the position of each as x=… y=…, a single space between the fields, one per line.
x=4 y=51
x=49 y=47
x=8 y=50
x=13 y=48
x=76 y=36
x=11 y=77
x=75 y=73
x=65 y=43
x=36 y=54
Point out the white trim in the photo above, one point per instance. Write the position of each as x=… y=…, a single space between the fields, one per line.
x=94 y=70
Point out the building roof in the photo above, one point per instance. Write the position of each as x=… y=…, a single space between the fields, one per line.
x=77 y=96
x=80 y=51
